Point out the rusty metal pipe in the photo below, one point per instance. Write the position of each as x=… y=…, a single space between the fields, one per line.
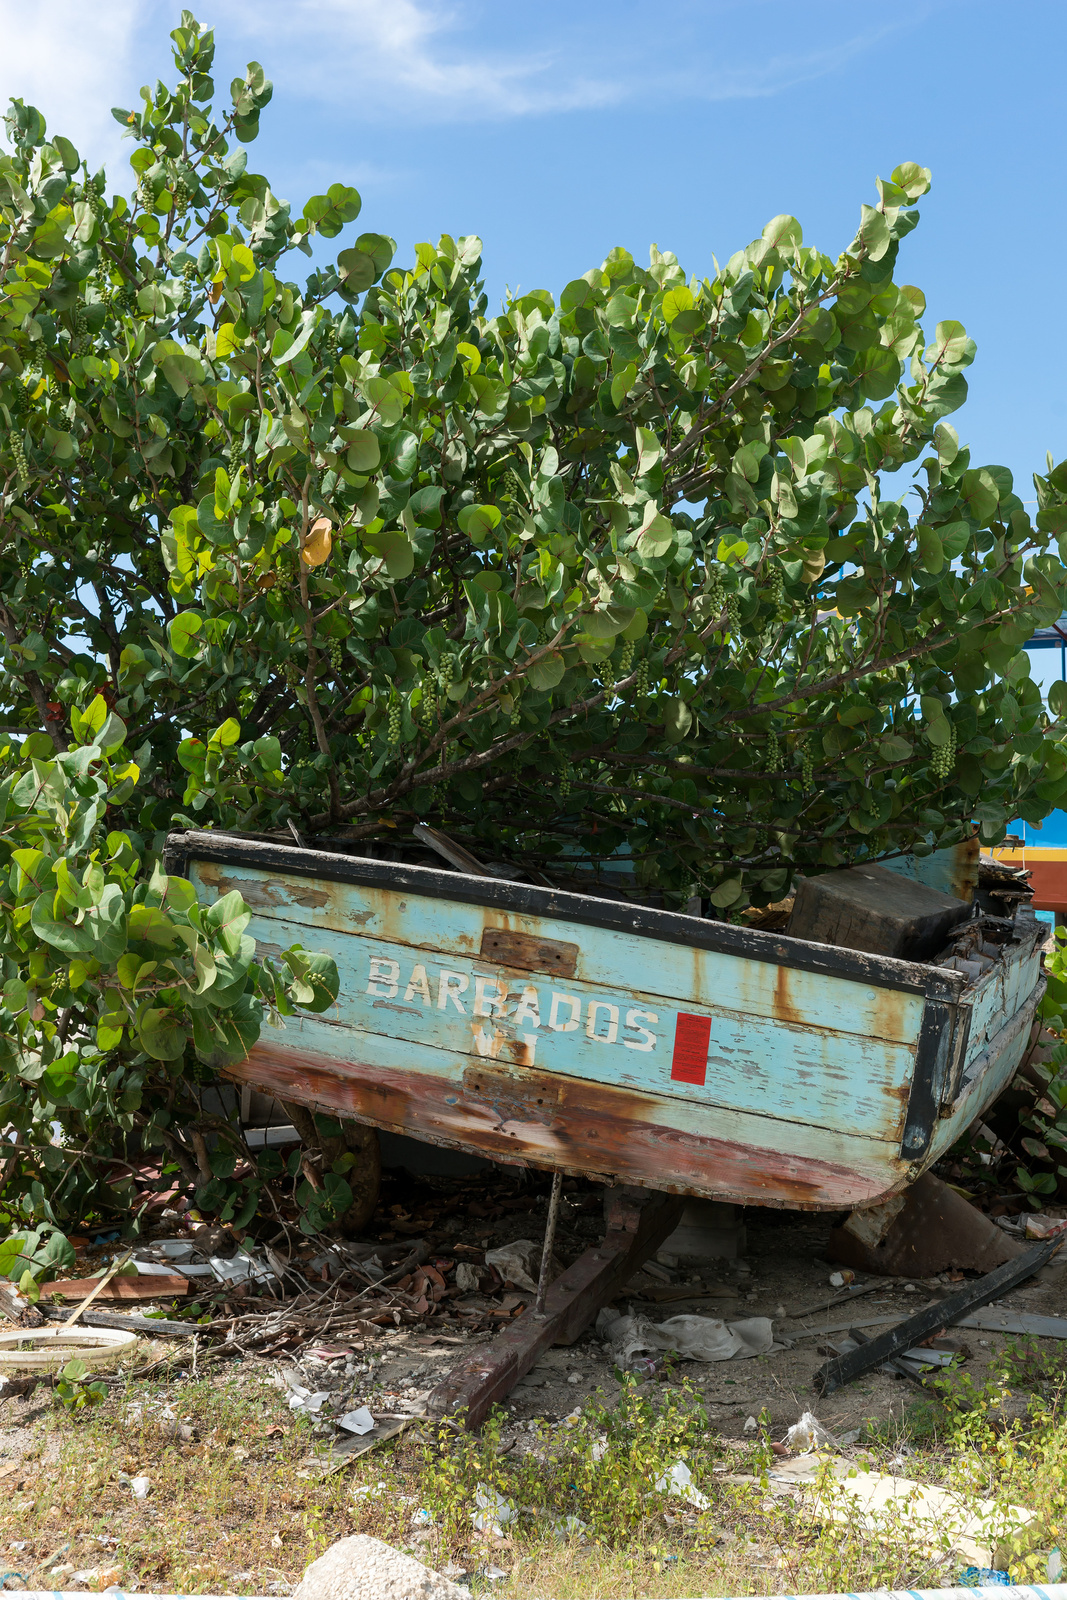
x=550 y=1240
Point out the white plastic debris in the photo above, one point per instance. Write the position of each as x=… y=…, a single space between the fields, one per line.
x=153 y=1269
x=175 y=1249
x=678 y=1483
x=493 y=1513
x=138 y=1486
x=515 y=1262
x=751 y=1424
x=691 y=1338
x=842 y=1280
x=807 y=1434
x=304 y=1400
x=359 y=1421
x=239 y=1269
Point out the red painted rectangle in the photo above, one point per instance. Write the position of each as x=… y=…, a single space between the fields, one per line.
x=689 y=1063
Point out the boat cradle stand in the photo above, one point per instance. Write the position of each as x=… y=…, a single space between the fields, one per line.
x=637 y=1222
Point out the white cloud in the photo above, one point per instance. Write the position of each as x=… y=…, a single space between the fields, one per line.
x=371 y=52
x=418 y=60
x=71 y=59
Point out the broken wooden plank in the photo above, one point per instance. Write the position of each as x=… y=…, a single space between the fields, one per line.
x=941 y=1314
x=133 y=1323
x=157 y=1287
x=638 y=1221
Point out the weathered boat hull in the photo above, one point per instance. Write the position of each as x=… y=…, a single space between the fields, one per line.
x=600 y=1038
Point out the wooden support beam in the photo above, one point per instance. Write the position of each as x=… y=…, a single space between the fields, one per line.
x=941 y=1314
x=638 y=1221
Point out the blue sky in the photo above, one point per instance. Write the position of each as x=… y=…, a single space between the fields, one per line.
x=556 y=131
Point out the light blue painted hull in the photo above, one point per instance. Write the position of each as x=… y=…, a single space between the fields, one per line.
x=565 y=1032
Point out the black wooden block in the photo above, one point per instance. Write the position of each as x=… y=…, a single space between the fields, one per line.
x=870 y=908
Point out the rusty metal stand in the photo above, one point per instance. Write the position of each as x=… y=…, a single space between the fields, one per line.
x=549 y=1244
x=638 y=1221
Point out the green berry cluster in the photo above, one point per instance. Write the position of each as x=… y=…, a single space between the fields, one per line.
x=641 y=679
x=626 y=660
x=716 y=595
x=428 y=708
x=22 y=466
x=290 y=673
x=181 y=195
x=566 y=778
x=807 y=765
x=774 y=753
x=393 y=734
x=733 y=614
x=777 y=588
x=337 y=655
x=943 y=757
x=445 y=673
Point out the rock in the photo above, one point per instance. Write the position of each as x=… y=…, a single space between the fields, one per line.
x=362 y=1568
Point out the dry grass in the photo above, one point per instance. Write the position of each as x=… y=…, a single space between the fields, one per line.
x=241 y=1506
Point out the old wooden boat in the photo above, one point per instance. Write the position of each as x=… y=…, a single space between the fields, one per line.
x=599 y=1037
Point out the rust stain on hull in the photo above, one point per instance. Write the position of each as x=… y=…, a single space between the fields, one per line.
x=581 y=1128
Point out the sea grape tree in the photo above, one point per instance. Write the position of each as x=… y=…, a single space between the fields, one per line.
x=613 y=573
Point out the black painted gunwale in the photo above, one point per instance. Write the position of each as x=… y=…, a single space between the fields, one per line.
x=523 y=899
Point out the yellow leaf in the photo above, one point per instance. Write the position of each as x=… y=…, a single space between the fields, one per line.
x=318 y=544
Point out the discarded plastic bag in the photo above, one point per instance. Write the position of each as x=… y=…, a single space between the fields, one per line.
x=678 y=1483
x=808 y=1434
x=692 y=1338
x=138 y=1486
x=515 y=1262
x=493 y=1513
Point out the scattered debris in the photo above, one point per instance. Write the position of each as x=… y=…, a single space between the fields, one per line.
x=942 y=1314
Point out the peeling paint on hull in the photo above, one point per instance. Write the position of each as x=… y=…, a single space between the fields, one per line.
x=558 y=1031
